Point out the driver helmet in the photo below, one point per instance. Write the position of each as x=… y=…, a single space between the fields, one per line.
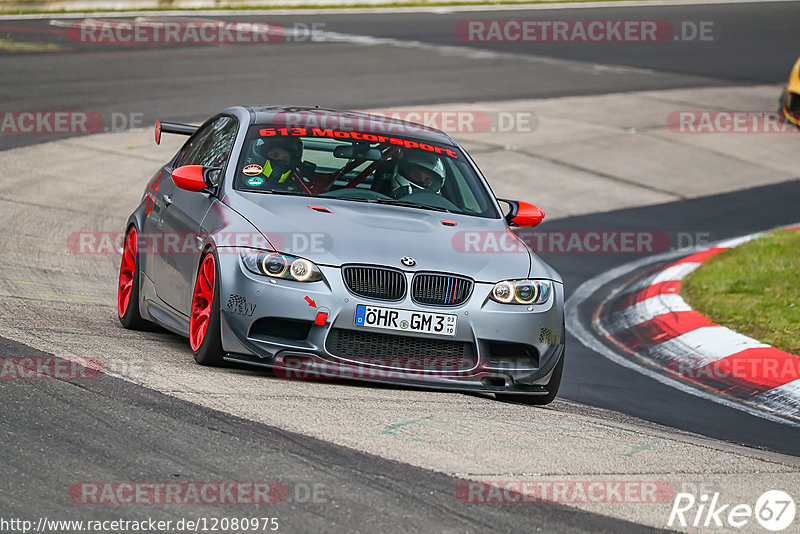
x=281 y=155
x=417 y=171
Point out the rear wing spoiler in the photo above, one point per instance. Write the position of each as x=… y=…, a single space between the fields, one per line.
x=173 y=127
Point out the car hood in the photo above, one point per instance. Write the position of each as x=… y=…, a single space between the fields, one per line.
x=379 y=234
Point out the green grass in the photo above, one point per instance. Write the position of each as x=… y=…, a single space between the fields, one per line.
x=753 y=289
x=19 y=46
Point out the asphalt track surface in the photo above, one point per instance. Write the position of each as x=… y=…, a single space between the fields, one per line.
x=132 y=430
x=599 y=382
x=754 y=43
x=757 y=44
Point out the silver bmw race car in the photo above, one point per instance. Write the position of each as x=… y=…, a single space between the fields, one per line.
x=328 y=244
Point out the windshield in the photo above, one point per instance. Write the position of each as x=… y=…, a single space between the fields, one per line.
x=361 y=167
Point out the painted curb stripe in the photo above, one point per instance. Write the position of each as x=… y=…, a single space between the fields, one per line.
x=660 y=329
x=701 y=257
x=673 y=273
x=645 y=310
x=664 y=282
x=650 y=318
x=693 y=345
x=586 y=333
x=629 y=299
x=785 y=398
x=751 y=372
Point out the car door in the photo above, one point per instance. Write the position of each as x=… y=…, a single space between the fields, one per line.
x=182 y=212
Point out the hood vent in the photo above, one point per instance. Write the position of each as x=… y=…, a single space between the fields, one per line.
x=321 y=209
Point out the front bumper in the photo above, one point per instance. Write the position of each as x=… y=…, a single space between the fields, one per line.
x=496 y=348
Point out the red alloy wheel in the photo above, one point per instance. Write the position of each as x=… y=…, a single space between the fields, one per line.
x=126 y=273
x=201 y=301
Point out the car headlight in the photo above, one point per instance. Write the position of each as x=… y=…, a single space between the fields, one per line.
x=521 y=291
x=279 y=265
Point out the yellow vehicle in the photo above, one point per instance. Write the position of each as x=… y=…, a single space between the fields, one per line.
x=790 y=101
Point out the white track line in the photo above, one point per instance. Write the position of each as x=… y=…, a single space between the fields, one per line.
x=647 y=309
x=590 y=340
x=690 y=350
x=466 y=52
x=671 y=273
x=438 y=10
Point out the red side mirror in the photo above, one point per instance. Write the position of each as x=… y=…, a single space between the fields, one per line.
x=523 y=214
x=189 y=177
x=158 y=132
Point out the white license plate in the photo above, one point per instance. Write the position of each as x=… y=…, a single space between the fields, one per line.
x=443 y=324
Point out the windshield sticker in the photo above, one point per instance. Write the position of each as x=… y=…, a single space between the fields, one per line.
x=358 y=136
x=255 y=180
x=253 y=170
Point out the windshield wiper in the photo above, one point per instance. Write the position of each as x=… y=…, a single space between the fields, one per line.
x=408 y=204
x=392 y=202
x=276 y=192
x=350 y=199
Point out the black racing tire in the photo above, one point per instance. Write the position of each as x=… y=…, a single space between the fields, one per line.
x=209 y=352
x=130 y=318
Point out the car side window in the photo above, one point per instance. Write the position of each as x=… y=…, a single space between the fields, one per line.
x=211 y=144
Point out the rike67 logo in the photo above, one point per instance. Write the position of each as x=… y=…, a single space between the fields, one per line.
x=774 y=510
